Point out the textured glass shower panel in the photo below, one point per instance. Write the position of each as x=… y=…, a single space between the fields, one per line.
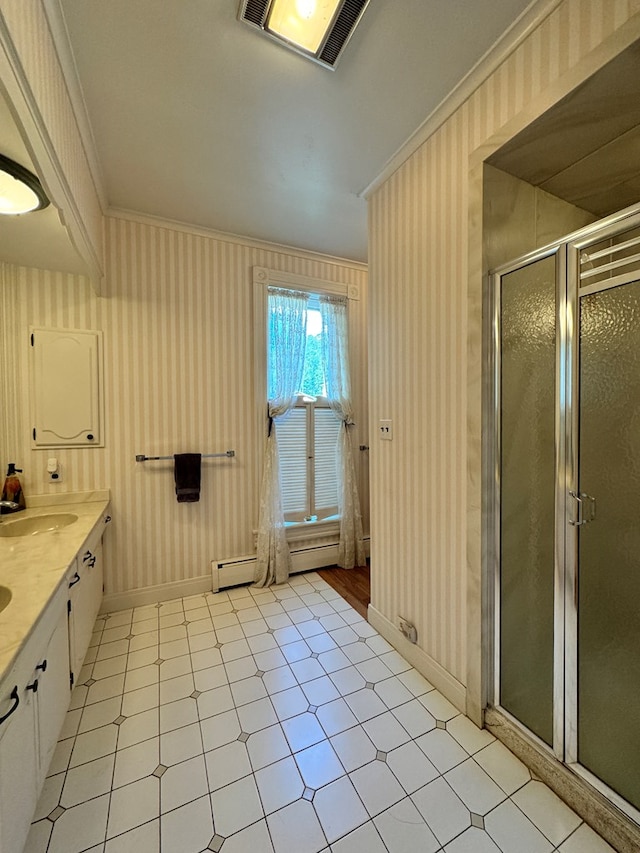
x=527 y=493
x=609 y=579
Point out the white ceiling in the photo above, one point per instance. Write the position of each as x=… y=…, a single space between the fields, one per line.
x=195 y=117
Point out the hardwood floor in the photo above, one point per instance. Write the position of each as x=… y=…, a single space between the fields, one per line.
x=353 y=584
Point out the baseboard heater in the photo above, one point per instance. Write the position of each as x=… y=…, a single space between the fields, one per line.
x=241 y=570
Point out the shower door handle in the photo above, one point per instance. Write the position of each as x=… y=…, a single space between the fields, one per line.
x=580 y=499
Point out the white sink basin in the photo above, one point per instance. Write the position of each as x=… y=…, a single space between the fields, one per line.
x=5 y=597
x=37 y=524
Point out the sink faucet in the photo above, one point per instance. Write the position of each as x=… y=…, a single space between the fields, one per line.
x=8 y=505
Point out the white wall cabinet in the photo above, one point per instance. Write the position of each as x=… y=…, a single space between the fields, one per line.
x=34 y=698
x=66 y=383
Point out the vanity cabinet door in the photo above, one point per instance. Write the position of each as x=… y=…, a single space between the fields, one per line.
x=54 y=692
x=19 y=782
x=18 y=763
x=85 y=596
x=34 y=698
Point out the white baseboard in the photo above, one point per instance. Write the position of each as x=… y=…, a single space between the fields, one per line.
x=434 y=672
x=226 y=573
x=153 y=594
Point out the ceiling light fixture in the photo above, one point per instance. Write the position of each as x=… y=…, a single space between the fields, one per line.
x=20 y=190
x=318 y=29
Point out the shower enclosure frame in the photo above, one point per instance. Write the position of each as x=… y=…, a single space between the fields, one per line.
x=567 y=253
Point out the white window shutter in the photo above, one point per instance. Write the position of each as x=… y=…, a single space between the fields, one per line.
x=327 y=428
x=292 y=448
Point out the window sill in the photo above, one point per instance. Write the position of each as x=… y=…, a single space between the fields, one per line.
x=297 y=530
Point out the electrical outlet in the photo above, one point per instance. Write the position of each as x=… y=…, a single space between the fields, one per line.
x=385 y=429
x=408 y=629
x=54 y=470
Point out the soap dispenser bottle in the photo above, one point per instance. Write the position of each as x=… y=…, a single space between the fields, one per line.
x=12 y=491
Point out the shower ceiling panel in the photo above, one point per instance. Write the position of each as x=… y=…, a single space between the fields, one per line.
x=585 y=149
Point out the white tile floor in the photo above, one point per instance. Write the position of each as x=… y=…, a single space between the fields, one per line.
x=279 y=721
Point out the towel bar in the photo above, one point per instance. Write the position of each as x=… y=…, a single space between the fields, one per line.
x=140 y=457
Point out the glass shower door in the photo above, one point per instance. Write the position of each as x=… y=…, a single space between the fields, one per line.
x=608 y=576
x=526 y=492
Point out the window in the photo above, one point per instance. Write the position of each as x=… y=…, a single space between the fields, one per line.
x=308 y=436
x=286 y=309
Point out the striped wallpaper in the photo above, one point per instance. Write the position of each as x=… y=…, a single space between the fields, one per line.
x=179 y=376
x=425 y=339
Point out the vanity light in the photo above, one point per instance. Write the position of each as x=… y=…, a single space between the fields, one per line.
x=318 y=29
x=20 y=189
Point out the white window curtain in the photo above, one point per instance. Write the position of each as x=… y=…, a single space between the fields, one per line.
x=287 y=318
x=335 y=356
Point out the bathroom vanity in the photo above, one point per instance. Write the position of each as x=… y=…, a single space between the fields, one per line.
x=51 y=583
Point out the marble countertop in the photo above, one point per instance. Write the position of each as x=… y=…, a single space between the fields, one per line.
x=33 y=567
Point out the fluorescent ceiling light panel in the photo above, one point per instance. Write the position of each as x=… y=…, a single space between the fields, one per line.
x=302 y=22
x=317 y=29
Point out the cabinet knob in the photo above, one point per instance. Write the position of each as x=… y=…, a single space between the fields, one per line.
x=88 y=556
x=16 y=701
x=33 y=686
x=42 y=666
x=74 y=580
x=90 y=436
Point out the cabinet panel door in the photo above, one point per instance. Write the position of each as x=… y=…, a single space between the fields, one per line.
x=53 y=693
x=66 y=388
x=18 y=771
x=86 y=597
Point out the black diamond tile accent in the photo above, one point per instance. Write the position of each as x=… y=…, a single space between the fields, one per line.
x=129 y=637
x=90 y=681
x=243 y=737
x=158 y=605
x=158 y=662
x=218 y=646
x=56 y=813
x=270 y=631
x=216 y=843
x=186 y=622
x=313 y=709
x=381 y=756
x=195 y=694
x=477 y=820
x=160 y=771
x=362 y=640
x=119 y=720
x=369 y=685
x=440 y=724
x=315 y=655
x=308 y=794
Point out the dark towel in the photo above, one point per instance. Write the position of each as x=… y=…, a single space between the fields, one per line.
x=187 y=476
